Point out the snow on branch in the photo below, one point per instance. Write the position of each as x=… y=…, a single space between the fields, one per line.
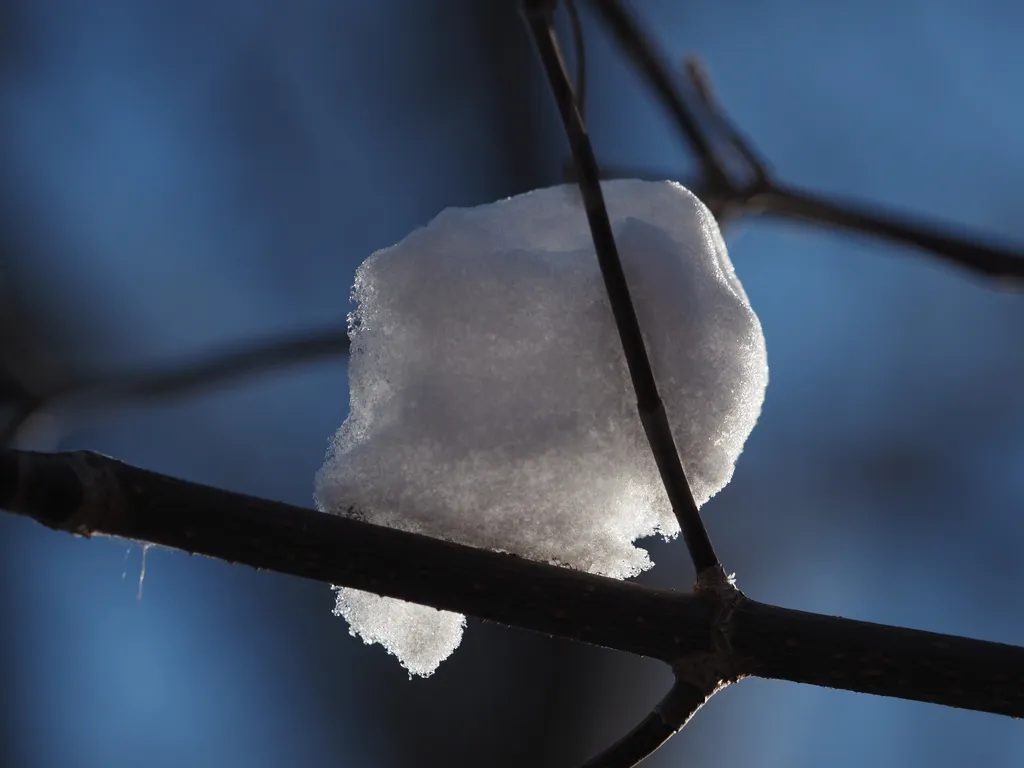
x=87 y=494
x=491 y=401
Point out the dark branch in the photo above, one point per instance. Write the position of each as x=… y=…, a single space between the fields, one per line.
x=989 y=260
x=88 y=494
x=658 y=74
x=652 y=411
x=739 y=143
x=792 y=203
x=783 y=644
x=668 y=718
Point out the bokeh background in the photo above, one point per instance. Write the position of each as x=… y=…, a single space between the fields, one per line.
x=179 y=177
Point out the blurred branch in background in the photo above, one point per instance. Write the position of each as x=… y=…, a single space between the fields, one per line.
x=738 y=184
x=741 y=184
x=181 y=380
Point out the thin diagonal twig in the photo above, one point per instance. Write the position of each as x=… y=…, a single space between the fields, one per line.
x=656 y=71
x=739 y=143
x=538 y=15
x=580 y=49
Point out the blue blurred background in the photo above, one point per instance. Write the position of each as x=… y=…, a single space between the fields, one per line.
x=191 y=175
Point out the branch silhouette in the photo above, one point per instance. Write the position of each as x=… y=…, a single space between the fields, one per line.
x=669 y=716
x=539 y=17
x=88 y=494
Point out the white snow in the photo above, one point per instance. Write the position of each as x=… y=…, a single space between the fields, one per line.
x=490 y=402
x=420 y=637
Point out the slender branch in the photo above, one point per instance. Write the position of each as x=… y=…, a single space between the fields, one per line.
x=1003 y=264
x=668 y=718
x=789 y=202
x=652 y=411
x=217 y=368
x=88 y=494
x=658 y=74
x=701 y=83
x=184 y=379
x=580 y=51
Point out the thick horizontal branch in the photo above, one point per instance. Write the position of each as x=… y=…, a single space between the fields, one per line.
x=783 y=644
x=88 y=494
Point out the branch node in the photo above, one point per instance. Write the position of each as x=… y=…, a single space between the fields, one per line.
x=716 y=581
x=103 y=503
x=719 y=667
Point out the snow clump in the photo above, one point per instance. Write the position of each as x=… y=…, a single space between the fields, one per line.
x=490 y=403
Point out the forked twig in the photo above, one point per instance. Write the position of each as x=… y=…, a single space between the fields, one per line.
x=761 y=192
x=659 y=76
x=739 y=143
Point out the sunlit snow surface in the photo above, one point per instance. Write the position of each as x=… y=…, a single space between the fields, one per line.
x=490 y=399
